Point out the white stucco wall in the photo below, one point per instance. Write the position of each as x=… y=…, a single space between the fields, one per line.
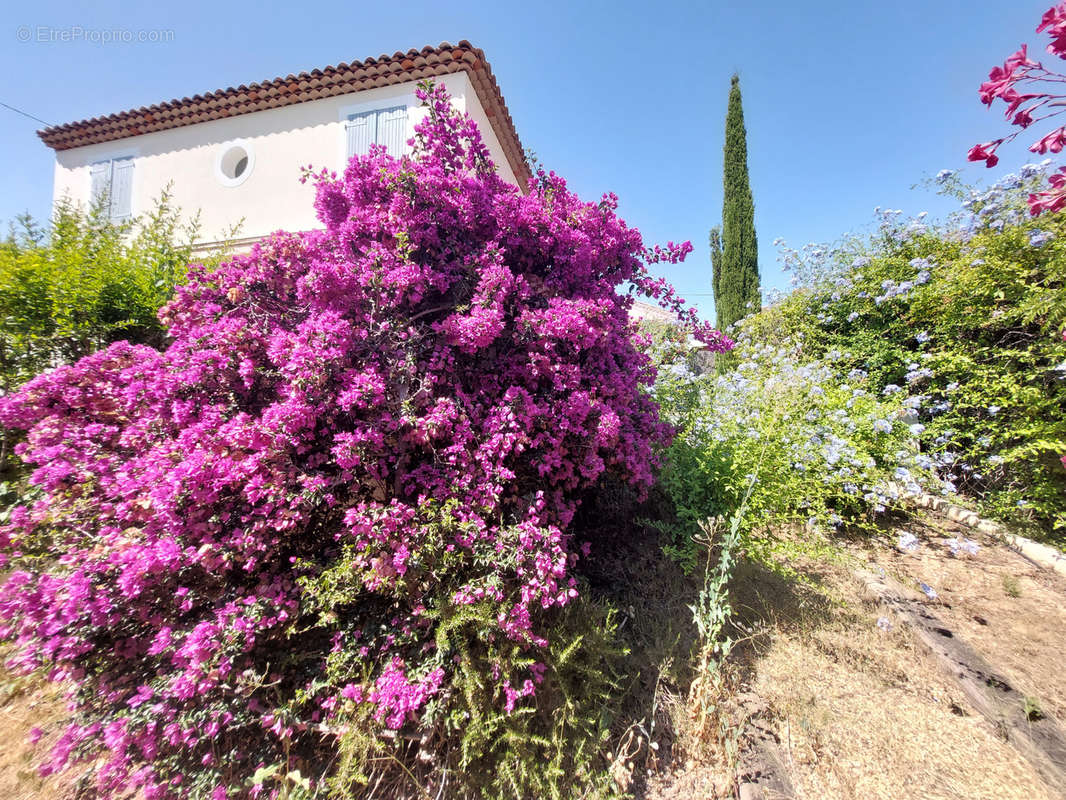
x=474 y=108
x=281 y=140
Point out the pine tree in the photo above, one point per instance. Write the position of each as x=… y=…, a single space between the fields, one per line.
x=735 y=254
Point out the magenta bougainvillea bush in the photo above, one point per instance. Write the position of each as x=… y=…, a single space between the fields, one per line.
x=245 y=539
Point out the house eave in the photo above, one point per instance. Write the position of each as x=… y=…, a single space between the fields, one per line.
x=414 y=65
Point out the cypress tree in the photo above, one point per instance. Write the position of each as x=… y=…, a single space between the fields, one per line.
x=716 y=267
x=736 y=273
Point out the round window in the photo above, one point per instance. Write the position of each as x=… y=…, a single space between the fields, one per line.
x=234 y=163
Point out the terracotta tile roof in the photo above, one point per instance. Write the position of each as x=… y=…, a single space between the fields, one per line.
x=385 y=70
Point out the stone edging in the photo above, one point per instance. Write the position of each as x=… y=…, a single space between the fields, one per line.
x=1040 y=554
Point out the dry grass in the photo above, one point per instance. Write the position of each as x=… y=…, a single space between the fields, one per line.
x=864 y=713
x=27 y=703
x=1022 y=632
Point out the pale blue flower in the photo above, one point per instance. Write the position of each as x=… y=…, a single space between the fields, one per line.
x=1009 y=181
x=908 y=542
x=1038 y=238
x=916 y=373
x=955 y=545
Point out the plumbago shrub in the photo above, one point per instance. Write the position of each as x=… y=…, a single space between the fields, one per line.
x=325 y=530
x=968 y=316
x=792 y=433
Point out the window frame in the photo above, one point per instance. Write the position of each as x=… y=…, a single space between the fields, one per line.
x=406 y=99
x=110 y=157
x=220 y=153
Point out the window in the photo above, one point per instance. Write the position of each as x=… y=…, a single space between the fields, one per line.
x=112 y=184
x=387 y=126
x=234 y=162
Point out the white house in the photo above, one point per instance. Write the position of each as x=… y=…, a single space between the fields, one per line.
x=642 y=311
x=235 y=155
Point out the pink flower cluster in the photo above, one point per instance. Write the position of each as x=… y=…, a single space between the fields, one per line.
x=1026 y=107
x=352 y=431
x=397 y=697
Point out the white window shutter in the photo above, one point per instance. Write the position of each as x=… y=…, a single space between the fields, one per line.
x=392 y=130
x=121 y=189
x=361 y=133
x=101 y=181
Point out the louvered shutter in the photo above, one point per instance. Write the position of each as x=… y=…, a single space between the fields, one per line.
x=361 y=133
x=121 y=189
x=101 y=182
x=392 y=130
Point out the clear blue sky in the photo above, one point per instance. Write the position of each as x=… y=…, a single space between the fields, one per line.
x=848 y=104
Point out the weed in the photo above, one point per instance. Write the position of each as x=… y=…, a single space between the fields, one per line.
x=1011 y=586
x=711 y=612
x=1033 y=711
